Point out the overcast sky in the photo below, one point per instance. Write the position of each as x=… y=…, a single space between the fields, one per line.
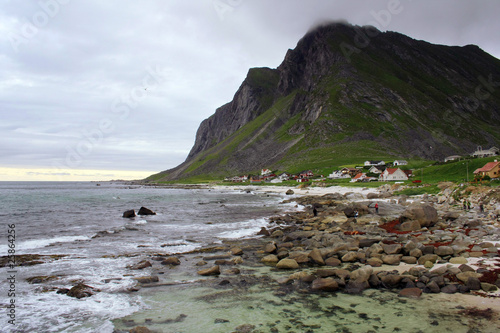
x=95 y=90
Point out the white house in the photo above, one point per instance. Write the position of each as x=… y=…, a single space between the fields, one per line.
x=480 y=152
x=358 y=178
x=393 y=174
x=400 y=162
x=338 y=174
x=284 y=176
x=371 y=163
x=452 y=158
x=377 y=170
x=265 y=172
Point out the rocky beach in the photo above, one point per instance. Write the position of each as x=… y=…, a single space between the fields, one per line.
x=425 y=249
x=339 y=259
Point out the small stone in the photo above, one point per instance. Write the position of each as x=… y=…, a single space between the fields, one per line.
x=449 y=289
x=444 y=251
x=287 y=264
x=392 y=248
x=326 y=284
x=488 y=287
x=141 y=264
x=140 y=329
x=316 y=257
x=350 y=256
x=236 y=251
x=129 y=213
x=174 y=261
x=409 y=260
x=270 y=247
x=270 y=259
x=215 y=270
x=433 y=287
x=145 y=211
x=427 y=257
x=473 y=283
x=458 y=260
x=428 y=264
x=333 y=262
x=392 y=259
x=411 y=293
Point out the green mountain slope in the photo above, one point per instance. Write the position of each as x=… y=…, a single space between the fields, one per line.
x=336 y=101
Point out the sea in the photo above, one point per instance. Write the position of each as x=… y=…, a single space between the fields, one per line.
x=78 y=229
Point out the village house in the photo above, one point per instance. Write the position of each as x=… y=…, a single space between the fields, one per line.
x=372 y=163
x=376 y=169
x=393 y=174
x=284 y=176
x=265 y=172
x=302 y=180
x=452 y=158
x=350 y=171
x=338 y=174
x=491 y=169
x=480 y=152
x=306 y=174
x=400 y=162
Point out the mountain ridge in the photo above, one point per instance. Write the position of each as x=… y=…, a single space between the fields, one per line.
x=395 y=96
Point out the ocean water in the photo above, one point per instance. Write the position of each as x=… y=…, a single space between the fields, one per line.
x=84 y=223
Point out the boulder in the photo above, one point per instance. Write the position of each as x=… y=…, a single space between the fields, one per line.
x=287 y=264
x=473 y=283
x=289 y=192
x=270 y=259
x=449 y=289
x=171 y=261
x=140 y=329
x=362 y=274
x=410 y=292
x=141 y=265
x=326 y=284
x=374 y=262
x=145 y=211
x=264 y=232
x=392 y=248
x=425 y=214
x=410 y=226
x=465 y=276
x=270 y=247
x=334 y=262
x=81 y=290
x=215 y=270
x=147 y=279
x=236 y=251
x=356 y=286
x=350 y=256
x=129 y=213
x=488 y=287
x=392 y=259
x=427 y=257
x=444 y=251
x=372 y=195
x=391 y=280
x=451 y=216
x=316 y=257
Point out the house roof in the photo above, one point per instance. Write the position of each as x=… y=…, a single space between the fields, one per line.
x=359 y=175
x=487 y=167
x=390 y=171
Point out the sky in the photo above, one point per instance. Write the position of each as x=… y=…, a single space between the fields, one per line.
x=116 y=89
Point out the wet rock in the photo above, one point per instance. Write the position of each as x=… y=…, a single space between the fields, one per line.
x=325 y=284
x=82 y=290
x=246 y=328
x=355 y=287
x=215 y=270
x=145 y=211
x=264 y=232
x=451 y=216
x=465 y=276
x=201 y=263
x=171 y=261
x=277 y=234
x=432 y=287
x=410 y=292
x=287 y=264
x=129 y=213
x=316 y=257
x=270 y=259
x=270 y=247
x=147 y=279
x=290 y=192
x=361 y=274
x=140 y=329
x=236 y=251
x=141 y=265
x=334 y=262
x=390 y=280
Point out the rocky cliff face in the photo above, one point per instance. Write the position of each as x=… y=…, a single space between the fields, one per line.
x=348 y=93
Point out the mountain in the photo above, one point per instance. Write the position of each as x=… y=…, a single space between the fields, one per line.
x=345 y=94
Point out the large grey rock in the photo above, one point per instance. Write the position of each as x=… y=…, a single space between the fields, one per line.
x=326 y=284
x=287 y=264
x=425 y=214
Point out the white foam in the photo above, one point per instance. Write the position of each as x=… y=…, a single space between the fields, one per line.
x=244 y=229
x=40 y=243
